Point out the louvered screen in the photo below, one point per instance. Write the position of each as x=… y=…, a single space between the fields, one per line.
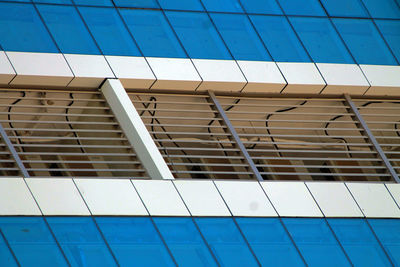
x=191 y=137
x=67 y=134
x=383 y=119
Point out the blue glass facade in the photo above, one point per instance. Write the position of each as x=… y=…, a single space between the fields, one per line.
x=187 y=241
x=326 y=31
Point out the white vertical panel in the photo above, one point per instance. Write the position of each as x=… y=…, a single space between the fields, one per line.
x=160 y=198
x=7 y=72
x=394 y=190
x=202 y=198
x=291 y=199
x=384 y=80
x=57 y=196
x=111 y=197
x=334 y=199
x=15 y=198
x=245 y=198
x=135 y=130
x=374 y=200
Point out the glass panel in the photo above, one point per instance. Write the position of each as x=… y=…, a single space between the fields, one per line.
x=270 y=242
x=136 y=3
x=359 y=242
x=321 y=40
x=280 y=38
x=68 y=29
x=6 y=258
x=134 y=241
x=362 y=37
x=388 y=232
x=65 y=2
x=31 y=241
x=249 y=45
x=94 y=2
x=345 y=8
x=383 y=8
x=193 y=5
x=391 y=32
x=109 y=31
x=198 y=35
x=262 y=7
x=306 y=8
x=226 y=242
x=81 y=241
x=22 y=30
x=185 y=242
x=223 y=6
x=316 y=242
x=152 y=33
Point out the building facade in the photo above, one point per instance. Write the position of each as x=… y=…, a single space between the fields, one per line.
x=199 y=133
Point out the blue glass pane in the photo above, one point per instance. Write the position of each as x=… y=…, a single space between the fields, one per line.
x=306 y=8
x=152 y=33
x=22 y=30
x=362 y=37
x=66 y=2
x=193 y=5
x=345 y=8
x=94 y=2
x=359 y=242
x=81 y=241
x=6 y=258
x=223 y=6
x=31 y=241
x=137 y=3
x=134 y=241
x=185 y=242
x=391 y=32
x=68 y=29
x=240 y=37
x=262 y=7
x=109 y=31
x=270 y=242
x=280 y=38
x=226 y=241
x=22 y=1
x=388 y=232
x=321 y=40
x=316 y=242
x=198 y=35
x=383 y=8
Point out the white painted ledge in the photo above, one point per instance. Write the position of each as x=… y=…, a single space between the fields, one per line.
x=43 y=69
x=7 y=72
x=89 y=70
x=133 y=72
x=174 y=73
x=342 y=78
x=384 y=80
x=301 y=77
x=220 y=75
x=262 y=77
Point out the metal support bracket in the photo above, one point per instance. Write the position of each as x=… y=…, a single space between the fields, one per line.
x=235 y=136
x=372 y=139
x=13 y=152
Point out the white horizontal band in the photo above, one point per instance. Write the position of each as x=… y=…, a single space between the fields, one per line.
x=89 y=71
x=118 y=197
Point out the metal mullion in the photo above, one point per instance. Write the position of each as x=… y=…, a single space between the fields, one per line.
x=13 y=152
x=372 y=139
x=235 y=136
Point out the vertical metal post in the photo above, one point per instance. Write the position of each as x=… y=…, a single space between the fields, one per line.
x=235 y=136
x=372 y=139
x=13 y=152
x=135 y=130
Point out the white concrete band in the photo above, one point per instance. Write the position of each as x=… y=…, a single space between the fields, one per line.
x=135 y=130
